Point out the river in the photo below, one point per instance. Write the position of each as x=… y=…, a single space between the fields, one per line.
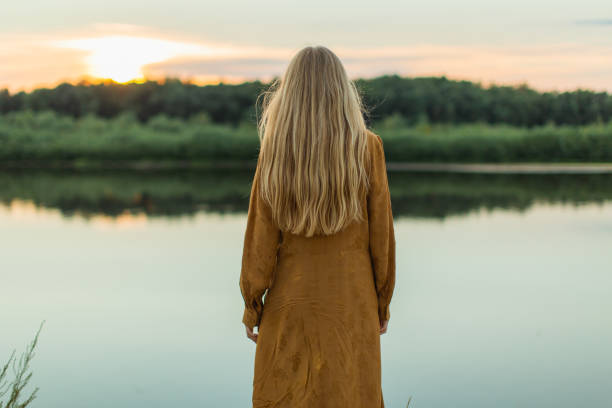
x=502 y=299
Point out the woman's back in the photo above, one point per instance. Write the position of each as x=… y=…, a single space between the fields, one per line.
x=318 y=343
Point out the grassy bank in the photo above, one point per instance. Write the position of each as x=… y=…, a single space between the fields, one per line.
x=46 y=137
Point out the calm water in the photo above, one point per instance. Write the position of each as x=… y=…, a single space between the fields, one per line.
x=503 y=292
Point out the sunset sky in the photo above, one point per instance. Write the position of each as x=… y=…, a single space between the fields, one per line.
x=548 y=44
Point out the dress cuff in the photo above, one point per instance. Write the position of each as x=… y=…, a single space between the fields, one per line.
x=250 y=318
x=384 y=312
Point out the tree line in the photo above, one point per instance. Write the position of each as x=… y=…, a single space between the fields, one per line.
x=415 y=100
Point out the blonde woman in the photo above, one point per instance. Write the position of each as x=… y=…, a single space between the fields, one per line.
x=319 y=238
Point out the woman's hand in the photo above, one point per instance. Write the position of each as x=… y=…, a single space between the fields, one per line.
x=383 y=326
x=250 y=334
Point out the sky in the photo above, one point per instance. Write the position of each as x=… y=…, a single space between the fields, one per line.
x=549 y=45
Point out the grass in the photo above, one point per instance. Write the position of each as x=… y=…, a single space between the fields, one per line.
x=21 y=378
x=478 y=143
x=46 y=138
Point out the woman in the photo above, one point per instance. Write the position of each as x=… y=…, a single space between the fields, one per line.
x=320 y=239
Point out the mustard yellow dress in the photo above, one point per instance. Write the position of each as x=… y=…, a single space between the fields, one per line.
x=319 y=333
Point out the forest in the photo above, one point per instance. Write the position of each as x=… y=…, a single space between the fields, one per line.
x=434 y=99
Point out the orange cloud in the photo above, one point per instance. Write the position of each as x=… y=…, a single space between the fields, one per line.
x=125 y=52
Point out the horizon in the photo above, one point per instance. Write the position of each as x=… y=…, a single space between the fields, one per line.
x=93 y=81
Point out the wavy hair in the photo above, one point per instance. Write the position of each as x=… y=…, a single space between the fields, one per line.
x=313 y=146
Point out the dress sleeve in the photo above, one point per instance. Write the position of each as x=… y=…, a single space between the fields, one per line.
x=261 y=241
x=382 y=236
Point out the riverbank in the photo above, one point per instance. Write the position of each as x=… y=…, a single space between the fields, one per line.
x=506 y=168
x=429 y=167
x=45 y=139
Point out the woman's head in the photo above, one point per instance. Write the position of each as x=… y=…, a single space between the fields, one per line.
x=313 y=146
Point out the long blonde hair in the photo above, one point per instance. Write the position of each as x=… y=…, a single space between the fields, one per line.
x=313 y=146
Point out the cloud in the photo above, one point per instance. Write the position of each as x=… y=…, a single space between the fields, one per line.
x=34 y=60
x=28 y=62
x=234 y=69
x=595 y=22
x=551 y=67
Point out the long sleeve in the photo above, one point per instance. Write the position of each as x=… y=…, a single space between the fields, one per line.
x=261 y=241
x=382 y=235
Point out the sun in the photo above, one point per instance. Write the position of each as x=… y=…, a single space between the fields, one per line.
x=122 y=58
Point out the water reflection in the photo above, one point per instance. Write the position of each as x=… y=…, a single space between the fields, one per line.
x=169 y=194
